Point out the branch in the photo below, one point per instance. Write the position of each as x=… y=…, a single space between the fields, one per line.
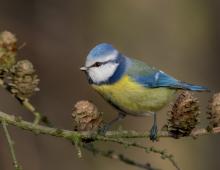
x=11 y=146
x=67 y=134
x=74 y=136
x=111 y=136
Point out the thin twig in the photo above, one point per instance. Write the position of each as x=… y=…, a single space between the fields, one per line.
x=112 y=155
x=37 y=115
x=27 y=105
x=162 y=153
x=11 y=146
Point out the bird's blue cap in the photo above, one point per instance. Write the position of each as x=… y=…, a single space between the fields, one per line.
x=102 y=49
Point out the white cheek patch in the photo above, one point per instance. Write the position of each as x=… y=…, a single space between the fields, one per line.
x=111 y=56
x=102 y=73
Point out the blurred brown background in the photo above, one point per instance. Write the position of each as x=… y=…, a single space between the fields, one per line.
x=180 y=37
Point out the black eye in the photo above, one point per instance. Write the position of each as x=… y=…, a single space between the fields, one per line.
x=97 y=64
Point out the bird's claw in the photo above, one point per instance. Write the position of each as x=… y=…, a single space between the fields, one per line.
x=153 y=133
x=103 y=130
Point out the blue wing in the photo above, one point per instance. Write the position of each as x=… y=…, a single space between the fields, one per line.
x=153 y=78
x=157 y=79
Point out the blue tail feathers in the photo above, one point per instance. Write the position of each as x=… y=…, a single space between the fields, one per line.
x=187 y=86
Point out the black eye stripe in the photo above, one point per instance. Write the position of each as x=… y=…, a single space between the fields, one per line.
x=98 y=64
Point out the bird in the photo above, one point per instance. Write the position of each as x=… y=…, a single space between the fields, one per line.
x=131 y=86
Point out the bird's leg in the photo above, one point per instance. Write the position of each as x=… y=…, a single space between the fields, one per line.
x=153 y=131
x=107 y=126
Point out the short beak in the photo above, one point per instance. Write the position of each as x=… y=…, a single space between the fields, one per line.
x=83 y=68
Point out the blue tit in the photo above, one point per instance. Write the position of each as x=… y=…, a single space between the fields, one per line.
x=130 y=85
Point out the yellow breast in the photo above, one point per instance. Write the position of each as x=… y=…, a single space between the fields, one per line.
x=134 y=98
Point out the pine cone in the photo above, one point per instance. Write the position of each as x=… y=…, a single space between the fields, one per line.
x=86 y=116
x=8 y=50
x=214 y=111
x=183 y=117
x=23 y=81
x=8 y=40
x=23 y=67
